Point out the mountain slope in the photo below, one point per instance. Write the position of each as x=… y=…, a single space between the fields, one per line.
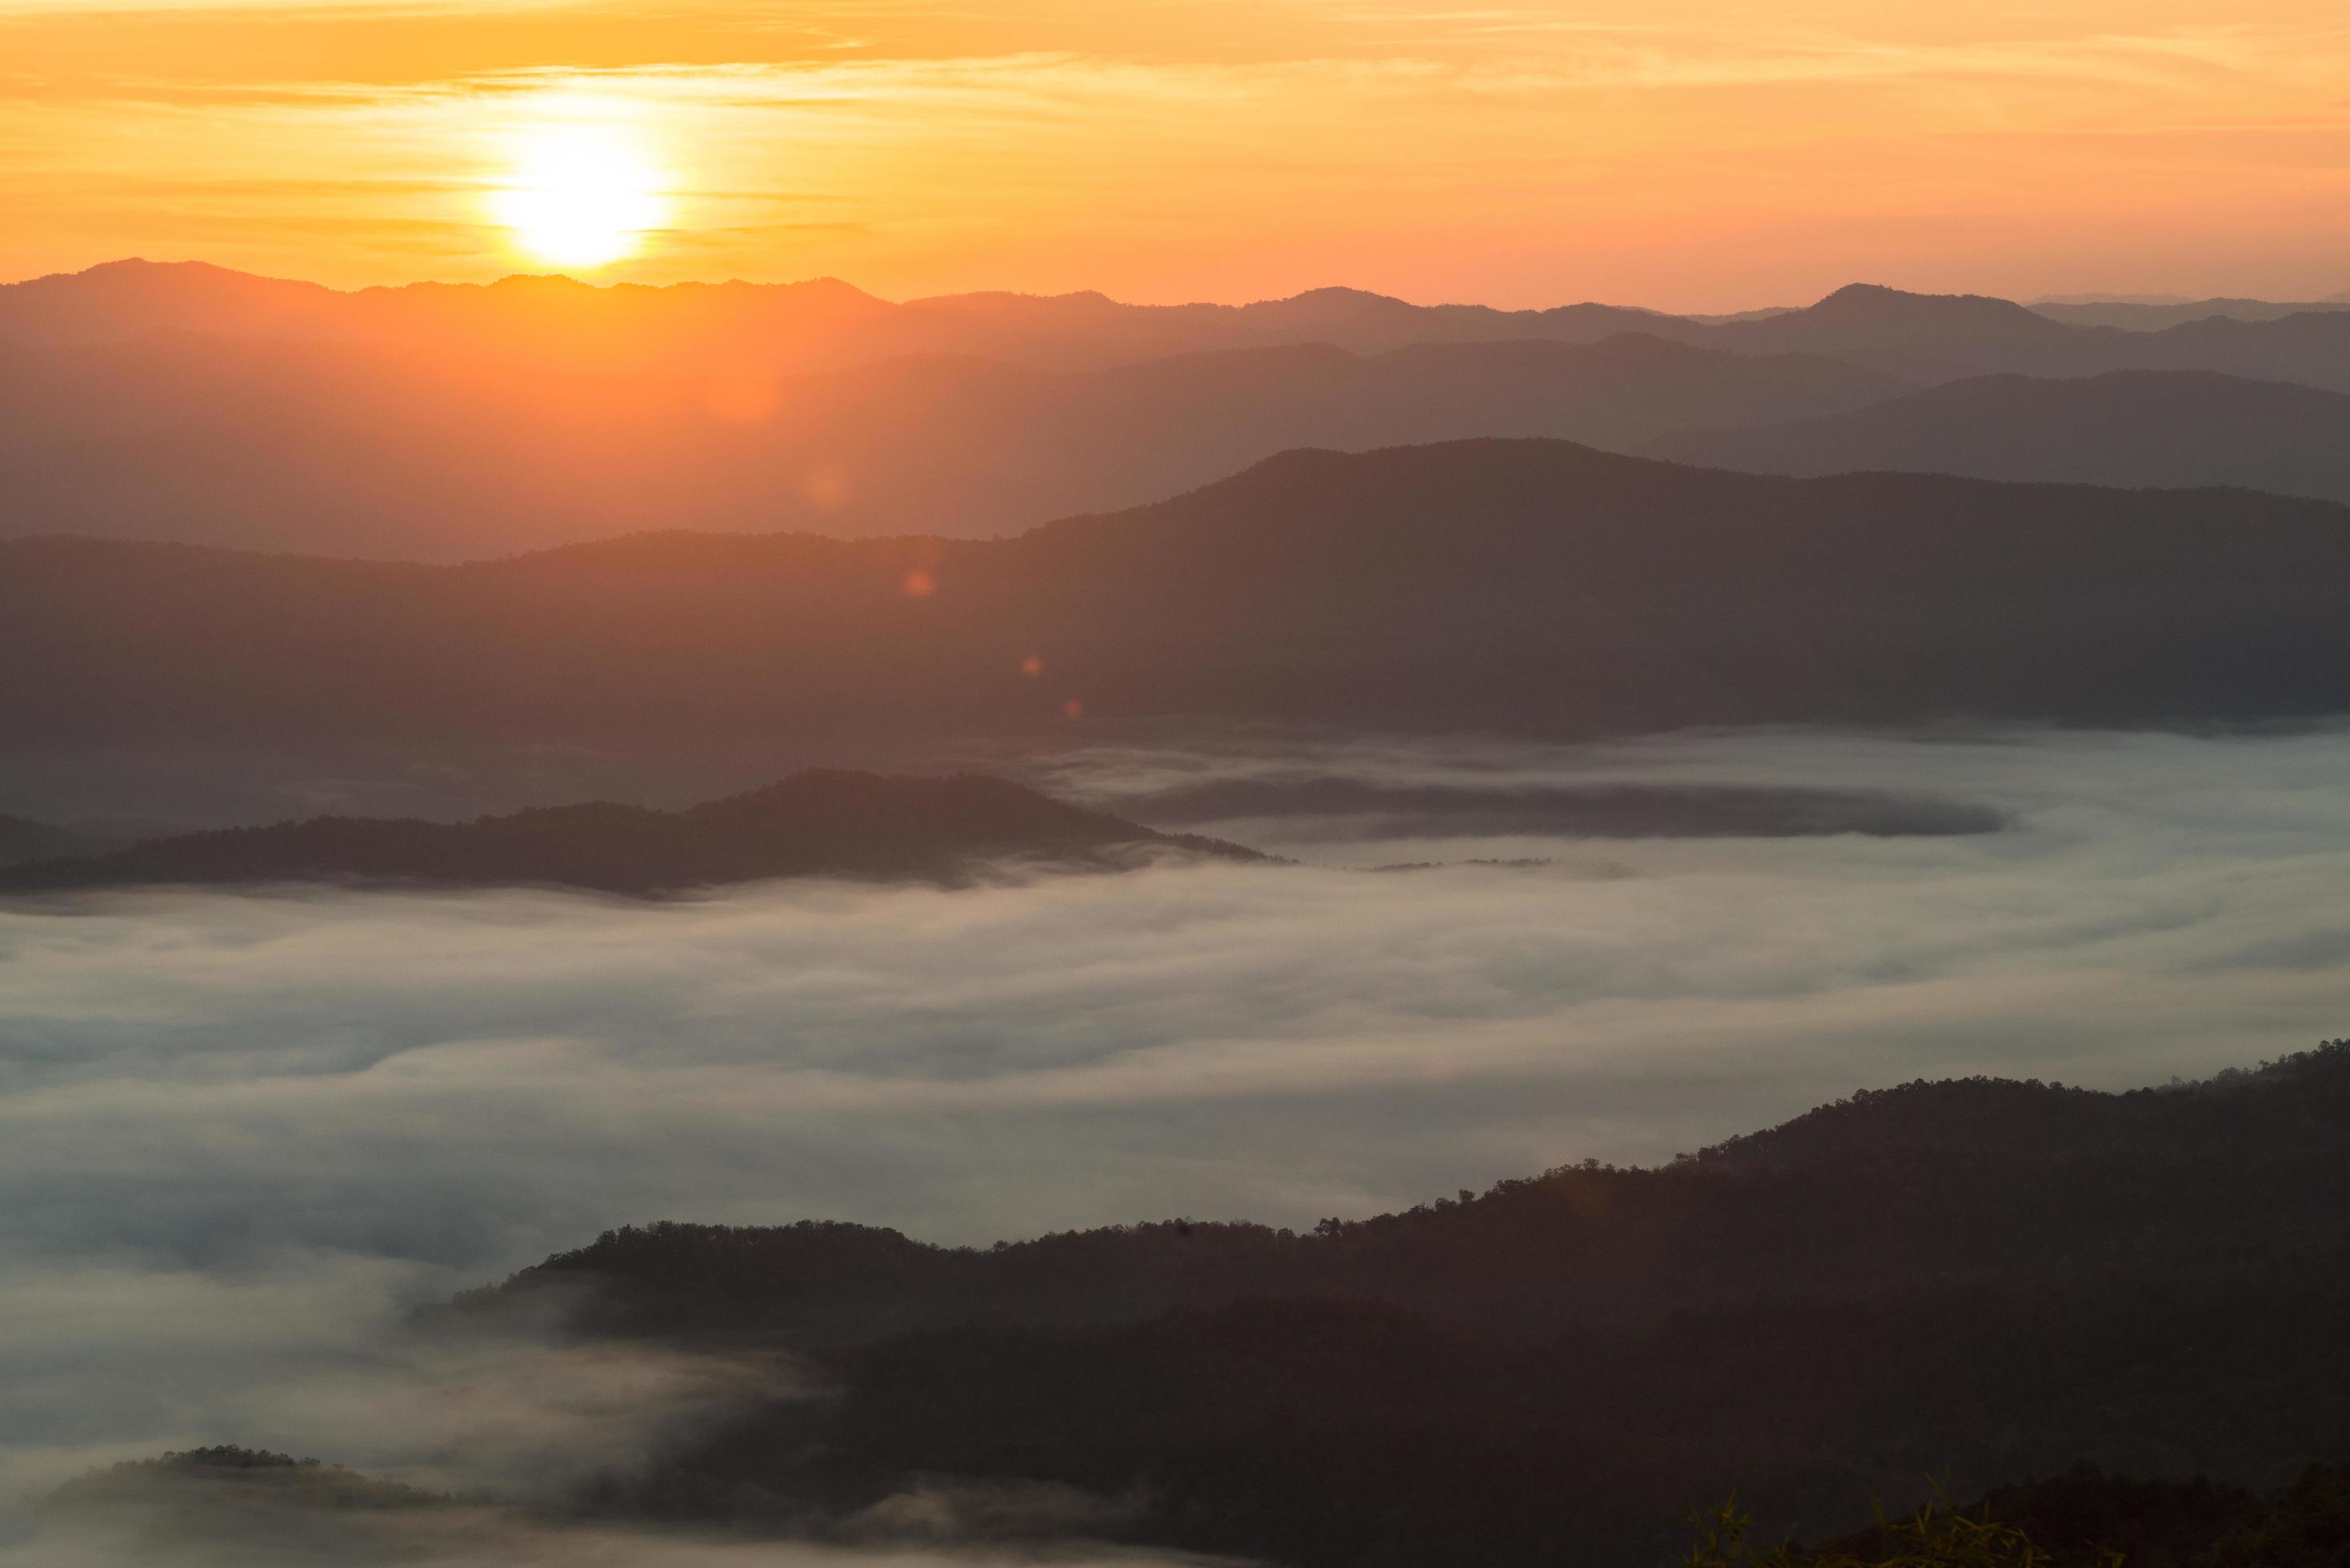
x=812 y=825
x=1983 y=1280
x=343 y=449
x=1524 y=585
x=2136 y=428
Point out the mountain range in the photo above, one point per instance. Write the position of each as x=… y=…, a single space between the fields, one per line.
x=768 y=329
x=445 y=422
x=1524 y=585
x=368 y=450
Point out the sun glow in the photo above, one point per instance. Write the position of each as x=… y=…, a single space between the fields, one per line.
x=580 y=193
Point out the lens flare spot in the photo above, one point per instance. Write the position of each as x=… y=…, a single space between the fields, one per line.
x=920 y=584
x=1073 y=709
x=1032 y=666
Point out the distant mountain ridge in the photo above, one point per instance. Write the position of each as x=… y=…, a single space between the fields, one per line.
x=450 y=422
x=2135 y=428
x=816 y=824
x=351 y=449
x=1524 y=587
x=2153 y=316
x=739 y=328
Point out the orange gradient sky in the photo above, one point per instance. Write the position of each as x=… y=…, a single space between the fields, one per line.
x=1690 y=154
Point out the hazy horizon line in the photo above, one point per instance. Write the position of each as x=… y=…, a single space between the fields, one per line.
x=2074 y=297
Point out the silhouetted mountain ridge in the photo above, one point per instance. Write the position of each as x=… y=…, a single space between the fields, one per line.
x=1981 y=1278
x=1968 y=1177
x=1527 y=587
x=738 y=327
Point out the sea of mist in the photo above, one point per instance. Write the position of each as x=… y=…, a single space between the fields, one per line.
x=241 y=1134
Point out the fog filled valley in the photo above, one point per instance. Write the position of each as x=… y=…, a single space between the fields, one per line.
x=749 y=924
x=251 y=1134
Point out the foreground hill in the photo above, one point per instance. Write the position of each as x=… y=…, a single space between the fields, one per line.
x=375 y=449
x=2166 y=428
x=1534 y=587
x=1987 y=1278
x=812 y=825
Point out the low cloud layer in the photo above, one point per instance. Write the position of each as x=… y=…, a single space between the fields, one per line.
x=240 y=1135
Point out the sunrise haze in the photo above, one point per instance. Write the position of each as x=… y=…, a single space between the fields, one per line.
x=1695 y=155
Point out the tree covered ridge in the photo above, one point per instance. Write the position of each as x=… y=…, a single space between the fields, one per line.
x=2083 y=1517
x=1984 y=1278
x=1964 y=1178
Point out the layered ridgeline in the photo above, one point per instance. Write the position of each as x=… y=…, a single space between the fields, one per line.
x=189 y=403
x=560 y=325
x=1529 y=586
x=816 y=824
x=1984 y=1279
x=387 y=450
x=2171 y=429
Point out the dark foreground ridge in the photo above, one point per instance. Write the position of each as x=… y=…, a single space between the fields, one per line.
x=1984 y=1279
x=816 y=824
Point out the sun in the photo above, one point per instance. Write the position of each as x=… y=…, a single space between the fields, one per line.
x=579 y=193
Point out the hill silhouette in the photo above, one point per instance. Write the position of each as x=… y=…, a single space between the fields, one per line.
x=1986 y=1278
x=1529 y=586
x=813 y=823
x=2138 y=427
x=315 y=446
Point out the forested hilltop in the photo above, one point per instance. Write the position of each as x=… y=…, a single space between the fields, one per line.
x=1983 y=1279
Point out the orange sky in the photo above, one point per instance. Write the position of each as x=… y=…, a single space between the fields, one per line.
x=1693 y=154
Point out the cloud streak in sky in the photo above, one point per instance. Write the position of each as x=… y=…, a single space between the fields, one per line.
x=1510 y=155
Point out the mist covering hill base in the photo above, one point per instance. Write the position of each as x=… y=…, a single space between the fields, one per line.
x=1986 y=1279
x=816 y=824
